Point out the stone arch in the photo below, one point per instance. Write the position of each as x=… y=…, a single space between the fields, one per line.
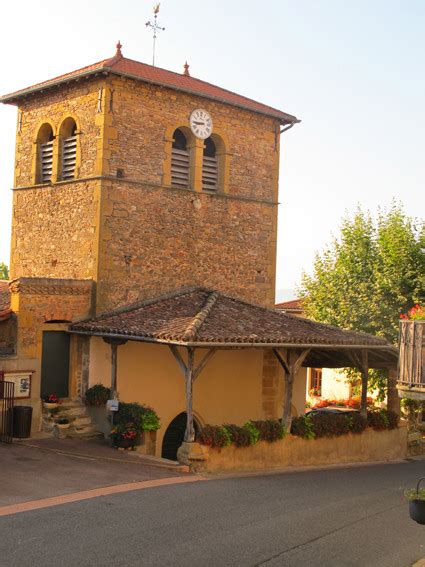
x=69 y=153
x=43 y=153
x=174 y=435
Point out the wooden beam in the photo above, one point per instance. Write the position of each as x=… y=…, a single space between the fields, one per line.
x=190 y=375
x=281 y=360
x=365 y=376
x=203 y=363
x=290 y=368
x=175 y=352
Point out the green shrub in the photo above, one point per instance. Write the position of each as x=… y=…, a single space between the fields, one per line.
x=270 y=430
x=303 y=427
x=358 y=423
x=240 y=436
x=214 y=436
x=330 y=424
x=382 y=419
x=378 y=420
x=143 y=417
x=253 y=432
x=97 y=395
x=393 y=419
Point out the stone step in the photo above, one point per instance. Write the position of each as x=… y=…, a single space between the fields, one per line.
x=81 y=421
x=80 y=411
x=83 y=433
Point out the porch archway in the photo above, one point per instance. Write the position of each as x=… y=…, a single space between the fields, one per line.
x=174 y=436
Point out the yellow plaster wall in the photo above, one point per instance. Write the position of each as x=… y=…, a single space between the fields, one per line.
x=227 y=391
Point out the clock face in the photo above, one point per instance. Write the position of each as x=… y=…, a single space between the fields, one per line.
x=201 y=123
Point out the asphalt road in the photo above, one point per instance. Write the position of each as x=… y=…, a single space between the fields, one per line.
x=335 y=517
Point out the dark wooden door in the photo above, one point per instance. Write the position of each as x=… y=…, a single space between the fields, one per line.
x=55 y=364
x=174 y=436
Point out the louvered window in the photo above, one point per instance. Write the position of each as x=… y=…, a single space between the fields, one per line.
x=209 y=167
x=180 y=161
x=46 y=162
x=69 y=157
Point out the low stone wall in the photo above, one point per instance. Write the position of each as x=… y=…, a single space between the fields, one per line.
x=294 y=451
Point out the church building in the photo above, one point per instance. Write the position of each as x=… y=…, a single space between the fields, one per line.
x=144 y=238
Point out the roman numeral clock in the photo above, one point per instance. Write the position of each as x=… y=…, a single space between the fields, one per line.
x=201 y=123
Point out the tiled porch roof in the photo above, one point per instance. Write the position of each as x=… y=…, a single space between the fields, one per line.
x=4 y=299
x=202 y=317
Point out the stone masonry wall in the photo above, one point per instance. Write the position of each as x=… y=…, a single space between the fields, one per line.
x=154 y=240
x=54 y=231
x=143 y=113
x=78 y=100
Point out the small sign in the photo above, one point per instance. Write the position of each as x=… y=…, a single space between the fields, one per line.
x=112 y=405
x=22 y=381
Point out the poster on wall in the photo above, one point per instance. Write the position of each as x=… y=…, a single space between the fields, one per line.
x=22 y=381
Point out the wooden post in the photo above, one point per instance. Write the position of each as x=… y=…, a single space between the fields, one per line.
x=114 y=357
x=189 y=435
x=290 y=368
x=365 y=375
x=115 y=343
x=190 y=374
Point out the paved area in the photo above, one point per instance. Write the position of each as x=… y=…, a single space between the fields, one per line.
x=335 y=517
x=48 y=468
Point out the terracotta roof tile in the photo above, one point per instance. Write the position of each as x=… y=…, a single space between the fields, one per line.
x=292 y=305
x=200 y=316
x=4 y=299
x=141 y=71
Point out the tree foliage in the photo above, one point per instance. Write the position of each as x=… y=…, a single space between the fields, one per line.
x=371 y=274
x=4 y=271
x=368 y=276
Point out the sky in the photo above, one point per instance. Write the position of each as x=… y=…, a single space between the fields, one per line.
x=353 y=72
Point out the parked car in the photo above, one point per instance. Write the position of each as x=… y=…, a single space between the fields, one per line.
x=332 y=409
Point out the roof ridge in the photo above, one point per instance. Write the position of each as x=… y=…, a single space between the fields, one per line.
x=197 y=321
x=141 y=303
x=113 y=62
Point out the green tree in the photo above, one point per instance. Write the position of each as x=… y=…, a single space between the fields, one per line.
x=4 y=271
x=369 y=275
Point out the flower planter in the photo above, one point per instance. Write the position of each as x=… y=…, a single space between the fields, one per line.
x=417 y=511
x=50 y=406
x=417 y=506
x=62 y=425
x=125 y=443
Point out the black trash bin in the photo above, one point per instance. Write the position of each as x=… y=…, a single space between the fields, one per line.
x=22 y=416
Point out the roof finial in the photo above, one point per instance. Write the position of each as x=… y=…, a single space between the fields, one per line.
x=186 y=69
x=118 y=46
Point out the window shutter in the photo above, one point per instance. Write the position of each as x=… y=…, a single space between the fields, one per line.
x=46 y=161
x=180 y=168
x=69 y=157
x=210 y=173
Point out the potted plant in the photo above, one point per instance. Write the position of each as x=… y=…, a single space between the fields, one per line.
x=416 y=499
x=124 y=435
x=62 y=423
x=51 y=401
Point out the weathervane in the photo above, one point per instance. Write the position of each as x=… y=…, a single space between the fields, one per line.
x=155 y=28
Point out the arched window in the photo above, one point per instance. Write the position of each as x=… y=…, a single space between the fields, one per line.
x=45 y=154
x=180 y=161
x=68 y=149
x=210 y=166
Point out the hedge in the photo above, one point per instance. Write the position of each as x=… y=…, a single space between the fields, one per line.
x=332 y=425
x=241 y=436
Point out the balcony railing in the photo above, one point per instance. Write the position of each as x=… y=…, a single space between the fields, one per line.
x=411 y=369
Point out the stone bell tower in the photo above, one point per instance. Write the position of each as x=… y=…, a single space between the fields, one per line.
x=145 y=181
